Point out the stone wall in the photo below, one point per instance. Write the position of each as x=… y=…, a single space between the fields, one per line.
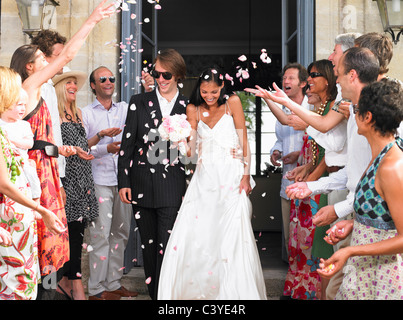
x=340 y=16
x=99 y=49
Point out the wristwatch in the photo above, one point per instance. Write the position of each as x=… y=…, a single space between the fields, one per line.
x=99 y=136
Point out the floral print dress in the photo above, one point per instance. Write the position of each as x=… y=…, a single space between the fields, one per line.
x=302 y=280
x=19 y=268
x=53 y=250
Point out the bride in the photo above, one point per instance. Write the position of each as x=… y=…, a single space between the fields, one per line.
x=212 y=253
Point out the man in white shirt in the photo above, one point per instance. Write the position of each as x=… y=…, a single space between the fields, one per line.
x=289 y=141
x=103 y=121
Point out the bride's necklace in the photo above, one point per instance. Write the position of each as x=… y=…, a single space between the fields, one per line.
x=314 y=145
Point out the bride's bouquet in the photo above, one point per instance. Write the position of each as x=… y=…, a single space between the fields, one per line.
x=175 y=128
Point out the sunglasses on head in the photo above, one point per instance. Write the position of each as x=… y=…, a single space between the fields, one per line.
x=315 y=74
x=103 y=79
x=166 y=75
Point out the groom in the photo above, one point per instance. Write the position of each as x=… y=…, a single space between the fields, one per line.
x=152 y=185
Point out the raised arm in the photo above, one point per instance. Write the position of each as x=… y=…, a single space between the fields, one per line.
x=317 y=121
x=274 y=108
x=71 y=48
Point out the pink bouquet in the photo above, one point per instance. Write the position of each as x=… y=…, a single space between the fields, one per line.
x=175 y=128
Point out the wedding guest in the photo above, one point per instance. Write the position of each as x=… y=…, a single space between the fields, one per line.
x=103 y=121
x=19 y=265
x=289 y=140
x=51 y=43
x=204 y=257
x=357 y=68
x=374 y=261
x=153 y=187
x=81 y=203
x=30 y=63
x=381 y=46
x=302 y=280
x=20 y=135
x=342 y=43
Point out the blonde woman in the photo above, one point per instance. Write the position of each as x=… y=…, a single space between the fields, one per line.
x=81 y=203
x=19 y=268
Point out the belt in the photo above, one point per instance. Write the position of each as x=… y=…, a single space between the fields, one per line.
x=334 y=169
x=50 y=149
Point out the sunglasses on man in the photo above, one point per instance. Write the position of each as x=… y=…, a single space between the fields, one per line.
x=156 y=74
x=103 y=79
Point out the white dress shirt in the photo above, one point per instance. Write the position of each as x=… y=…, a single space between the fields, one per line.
x=359 y=156
x=48 y=94
x=165 y=105
x=334 y=142
x=95 y=119
x=288 y=140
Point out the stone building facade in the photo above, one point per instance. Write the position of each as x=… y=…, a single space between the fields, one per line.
x=102 y=46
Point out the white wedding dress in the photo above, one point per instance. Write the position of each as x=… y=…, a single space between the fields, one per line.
x=212 y=253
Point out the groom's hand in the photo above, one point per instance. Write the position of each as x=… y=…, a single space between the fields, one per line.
x=126 y=195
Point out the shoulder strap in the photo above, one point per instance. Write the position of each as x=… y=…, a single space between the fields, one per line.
x=33 y=112
x=227 y=105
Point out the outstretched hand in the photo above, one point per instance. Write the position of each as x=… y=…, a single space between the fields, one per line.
x=339 y=231
x=83 y=154
x=329 y=267
x=110 y=132
x=5 y=237
x=52 y=222
x=101 y=11
x=278 y=95
x=298 y=190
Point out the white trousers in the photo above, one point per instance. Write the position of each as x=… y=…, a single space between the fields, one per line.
x=108 y=238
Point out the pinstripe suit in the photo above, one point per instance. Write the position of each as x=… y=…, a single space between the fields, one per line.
x=157 y=188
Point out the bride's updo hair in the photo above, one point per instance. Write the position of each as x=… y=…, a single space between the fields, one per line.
x=208 y=75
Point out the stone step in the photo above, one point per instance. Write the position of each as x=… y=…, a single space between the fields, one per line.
x=274 y=280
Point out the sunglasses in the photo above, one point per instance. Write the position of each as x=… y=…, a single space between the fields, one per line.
x=315 y=74
x=111 y=79
x=355 y=108
x=166 y=75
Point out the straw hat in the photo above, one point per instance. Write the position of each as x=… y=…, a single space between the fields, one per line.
x=79 y=75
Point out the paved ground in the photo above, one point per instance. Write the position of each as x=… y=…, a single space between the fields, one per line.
x=274 y=268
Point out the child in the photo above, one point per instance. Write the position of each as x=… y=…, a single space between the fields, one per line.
x=20 y=134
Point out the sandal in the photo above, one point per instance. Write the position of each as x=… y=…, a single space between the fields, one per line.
x=65 y=293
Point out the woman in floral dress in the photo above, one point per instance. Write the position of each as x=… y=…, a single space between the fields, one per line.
x=19 y=267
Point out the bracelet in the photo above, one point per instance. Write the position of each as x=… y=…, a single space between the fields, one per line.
x=99 y=136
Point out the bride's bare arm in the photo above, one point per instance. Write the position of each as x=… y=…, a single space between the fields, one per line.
x=191 y=113
x=238 y=115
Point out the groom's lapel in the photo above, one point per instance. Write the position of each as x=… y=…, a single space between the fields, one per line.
x=153 y=109
x=180 y=105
